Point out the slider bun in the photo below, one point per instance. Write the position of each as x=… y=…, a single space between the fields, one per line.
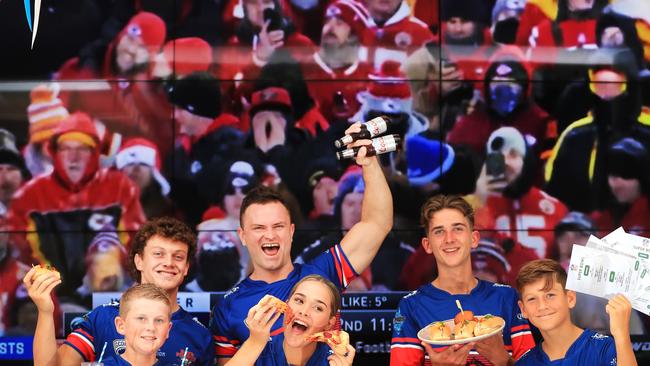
x=488 y=324
x=440 y=332
x=464 y=330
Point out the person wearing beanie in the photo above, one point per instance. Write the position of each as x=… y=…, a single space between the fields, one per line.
x=44 y=113
x=489 y=262
x=628 y=181
x=264 y=31
x=13 y=172
x=389 y=94
x=337 y=61
x=576 y=171
x=124 y=103
x=320 y=186
x=54 y=216
x=506 y=89
x=140 y=160
x=181 y=57
x=106 y=266
x=507 y=200
x=207 y=140
x=465 y=23
x=394 y=33
x=505 y=20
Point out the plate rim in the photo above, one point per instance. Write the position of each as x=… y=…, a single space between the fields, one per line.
x=450 y=342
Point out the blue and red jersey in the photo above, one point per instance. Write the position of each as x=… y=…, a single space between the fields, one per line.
x=227 y=322
x=428 y=304
x=98 y=328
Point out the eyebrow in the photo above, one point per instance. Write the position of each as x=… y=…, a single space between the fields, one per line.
x=316 y=300
x=452 y=225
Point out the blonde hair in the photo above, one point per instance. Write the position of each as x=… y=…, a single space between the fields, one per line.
x=335 y=305
x=143 y=291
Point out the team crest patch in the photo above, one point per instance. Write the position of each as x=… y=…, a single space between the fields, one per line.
x=403 y=39
x=119 y=346
x=186 y=359
x=398 y=320
x=547 y=207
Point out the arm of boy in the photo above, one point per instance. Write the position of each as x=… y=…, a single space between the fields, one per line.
x=259 y=321
x=39 y=288
x=619 y=310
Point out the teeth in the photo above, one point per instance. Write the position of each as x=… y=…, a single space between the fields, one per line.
x=300 y=323
x=270 y=245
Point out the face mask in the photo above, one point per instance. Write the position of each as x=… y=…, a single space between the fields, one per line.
x=504 y=98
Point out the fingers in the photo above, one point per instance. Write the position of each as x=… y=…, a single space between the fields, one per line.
x=355 y=127
x=276 y=36
x=42 y=282
x=265 y=28
x=27 y=280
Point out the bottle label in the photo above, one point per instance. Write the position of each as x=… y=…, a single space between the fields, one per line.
x=384 y=144
x=376 y=126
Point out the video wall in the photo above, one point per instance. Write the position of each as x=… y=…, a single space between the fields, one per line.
x=116 y=112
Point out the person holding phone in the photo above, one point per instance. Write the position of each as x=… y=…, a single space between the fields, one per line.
x=507 y=201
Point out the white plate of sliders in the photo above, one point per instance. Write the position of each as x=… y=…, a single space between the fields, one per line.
x=464 y=329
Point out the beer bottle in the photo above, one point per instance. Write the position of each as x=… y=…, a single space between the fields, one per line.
x=370 y=129
x=380 y=145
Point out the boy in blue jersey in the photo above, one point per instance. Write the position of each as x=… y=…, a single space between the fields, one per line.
x=547 y=304
x=449 y=226
x=160 y=255
x=144 y=321
x=267 y=231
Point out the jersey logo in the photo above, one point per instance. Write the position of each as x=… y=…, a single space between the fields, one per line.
x=599 y=336
x=547 y=207
x=119 y=346
x=403 y=39
x=411 y=294
x=231 y=291
x=398 y=320
x=186 y=359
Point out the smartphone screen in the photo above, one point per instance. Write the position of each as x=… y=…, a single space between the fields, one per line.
x=495 y=164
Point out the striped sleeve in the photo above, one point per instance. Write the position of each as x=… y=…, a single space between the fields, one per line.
x=344 y=271
x=225 y=345
x=520 y=333
x=82 y=341
x=405 y=346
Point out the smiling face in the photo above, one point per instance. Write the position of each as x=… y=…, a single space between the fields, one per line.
x=267 y=231
x=450 y=239
x=163 y=263
x=547 y=309
x=145 y=327
x=312 y=307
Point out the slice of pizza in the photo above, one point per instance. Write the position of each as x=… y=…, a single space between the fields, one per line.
x=280 y=305
x=338 y=340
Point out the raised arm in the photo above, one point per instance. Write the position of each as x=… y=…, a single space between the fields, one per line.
x=363 y=240
x=39 y=287
x=619 y=310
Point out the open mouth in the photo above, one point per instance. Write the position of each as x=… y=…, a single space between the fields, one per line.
x=166 y=274
x=299 y=326
x=270 y=249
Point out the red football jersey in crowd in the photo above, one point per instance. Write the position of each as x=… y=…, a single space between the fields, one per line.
x=535 y=12
x=529 y=220
x=635 y=221
x=324 y=82
x=396 y=39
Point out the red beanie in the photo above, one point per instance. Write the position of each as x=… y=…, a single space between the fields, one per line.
x=187 y=55
x=149 y=27
x=390 y=82
x=351 y=12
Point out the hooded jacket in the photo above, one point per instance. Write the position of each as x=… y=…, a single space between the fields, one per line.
x=55 y=220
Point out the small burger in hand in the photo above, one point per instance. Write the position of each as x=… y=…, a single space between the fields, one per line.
x=43 y=270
